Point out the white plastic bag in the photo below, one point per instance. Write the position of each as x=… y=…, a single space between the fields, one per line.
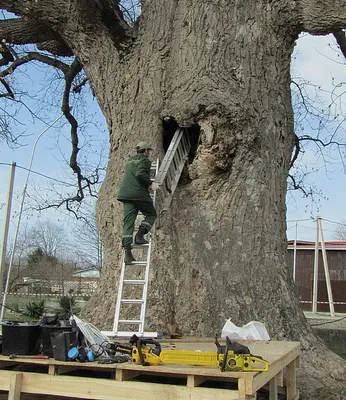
x=254 y=330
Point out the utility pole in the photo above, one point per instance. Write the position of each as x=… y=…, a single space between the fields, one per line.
x=6 y=226
x=295 y=254
x=20 y=216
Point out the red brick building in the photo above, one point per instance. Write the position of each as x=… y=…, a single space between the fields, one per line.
x=336 y=256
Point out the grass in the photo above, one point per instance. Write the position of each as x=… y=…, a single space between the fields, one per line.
x=18 y=304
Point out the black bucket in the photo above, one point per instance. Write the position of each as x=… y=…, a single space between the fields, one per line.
x=62 y=342
x=21 y=338
x=46 y=331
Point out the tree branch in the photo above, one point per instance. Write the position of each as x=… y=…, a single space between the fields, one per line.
x=296 y=150
x=24 y=30
x=341 y=41
x=298 y=186
x=75 y=68
x=320 y=17
x=37 y=57
x=59 y=18
x=78 y=88
x=7 y=87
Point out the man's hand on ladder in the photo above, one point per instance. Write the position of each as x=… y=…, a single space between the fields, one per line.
x=155 y=186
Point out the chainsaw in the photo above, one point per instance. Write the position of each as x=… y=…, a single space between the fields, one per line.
x=142 y=351
x=231 y=357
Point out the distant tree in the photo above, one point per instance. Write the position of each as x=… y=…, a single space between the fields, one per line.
x=340 y=231
x=49 y=237
x=41 y=265
x=88 y=248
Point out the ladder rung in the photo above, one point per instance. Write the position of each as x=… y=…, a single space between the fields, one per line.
x=130 y=321
x=130 y=334
x=140 y=246
x=134 y=281
x=132 y=301
x=138 y=263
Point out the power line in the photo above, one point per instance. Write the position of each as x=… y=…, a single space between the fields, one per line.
x=300 y=220
x=38 y=173
x=334 y=222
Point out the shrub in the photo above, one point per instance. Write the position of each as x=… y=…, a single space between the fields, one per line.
x=35 y=310
x=67 y=304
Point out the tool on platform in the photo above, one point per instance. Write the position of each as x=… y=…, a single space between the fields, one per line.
x=37 y=357
x=230 y=357
x=142 y=351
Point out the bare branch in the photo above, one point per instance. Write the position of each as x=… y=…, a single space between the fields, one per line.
x=298 y=186
x=341 y=40
x=321 y=142
x=75 y=68
x=33 y=56
x=7 y=87
x=78 y=88
x=297 y=150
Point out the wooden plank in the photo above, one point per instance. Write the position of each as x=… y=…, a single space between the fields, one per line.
x=124 y=375
x=280 y=378
x=106 y=389
x=195 y=380
x=5 y=364
x=242 y=389
x=291 y=381
x=15 y=386
x=51 y=370
x=274 y=368
x=62 y=369
x=273 y=389
x=279 y=355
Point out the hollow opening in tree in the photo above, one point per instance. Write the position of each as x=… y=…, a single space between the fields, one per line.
x=170 y=126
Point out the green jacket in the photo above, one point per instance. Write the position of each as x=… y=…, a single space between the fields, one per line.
x=136 y=180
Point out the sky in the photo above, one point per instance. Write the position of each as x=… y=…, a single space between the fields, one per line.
x=315 y=61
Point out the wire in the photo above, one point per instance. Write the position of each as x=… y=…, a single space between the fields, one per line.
x=334 y=222
x=300 y=220
x=38 y=173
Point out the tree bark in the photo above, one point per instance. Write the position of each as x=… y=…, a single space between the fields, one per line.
x=220 y=251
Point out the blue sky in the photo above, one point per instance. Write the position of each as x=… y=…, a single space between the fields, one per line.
x=315 y=60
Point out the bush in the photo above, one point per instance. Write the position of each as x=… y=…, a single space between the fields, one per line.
x=35 y=310
x=67 y=305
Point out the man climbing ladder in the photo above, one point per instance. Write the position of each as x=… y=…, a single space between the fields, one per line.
x=135 y=196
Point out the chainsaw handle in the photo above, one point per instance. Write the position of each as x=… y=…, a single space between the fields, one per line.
x=141 y=357
x=225 y=354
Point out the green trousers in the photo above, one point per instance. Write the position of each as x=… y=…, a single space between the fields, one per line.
x=131 y=209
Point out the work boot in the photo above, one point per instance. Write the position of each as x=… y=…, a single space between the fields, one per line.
x=139 y=239
x=128 y=256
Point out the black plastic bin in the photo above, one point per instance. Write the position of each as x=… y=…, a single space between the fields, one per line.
x=46 y=331
x=20 y=338
x=62 y=342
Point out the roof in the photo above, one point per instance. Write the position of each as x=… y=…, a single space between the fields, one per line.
x=88 y=272
x=305 y=245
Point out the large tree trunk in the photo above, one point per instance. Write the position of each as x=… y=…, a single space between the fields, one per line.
x=220 y=251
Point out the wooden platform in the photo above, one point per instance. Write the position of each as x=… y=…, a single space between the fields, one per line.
x=171 y=382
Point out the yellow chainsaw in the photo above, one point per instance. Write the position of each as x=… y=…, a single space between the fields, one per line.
x=231 y=357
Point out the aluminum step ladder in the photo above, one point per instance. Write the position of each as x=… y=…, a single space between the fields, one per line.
x=136 y=284
x=168 y=177
x=171 y=168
